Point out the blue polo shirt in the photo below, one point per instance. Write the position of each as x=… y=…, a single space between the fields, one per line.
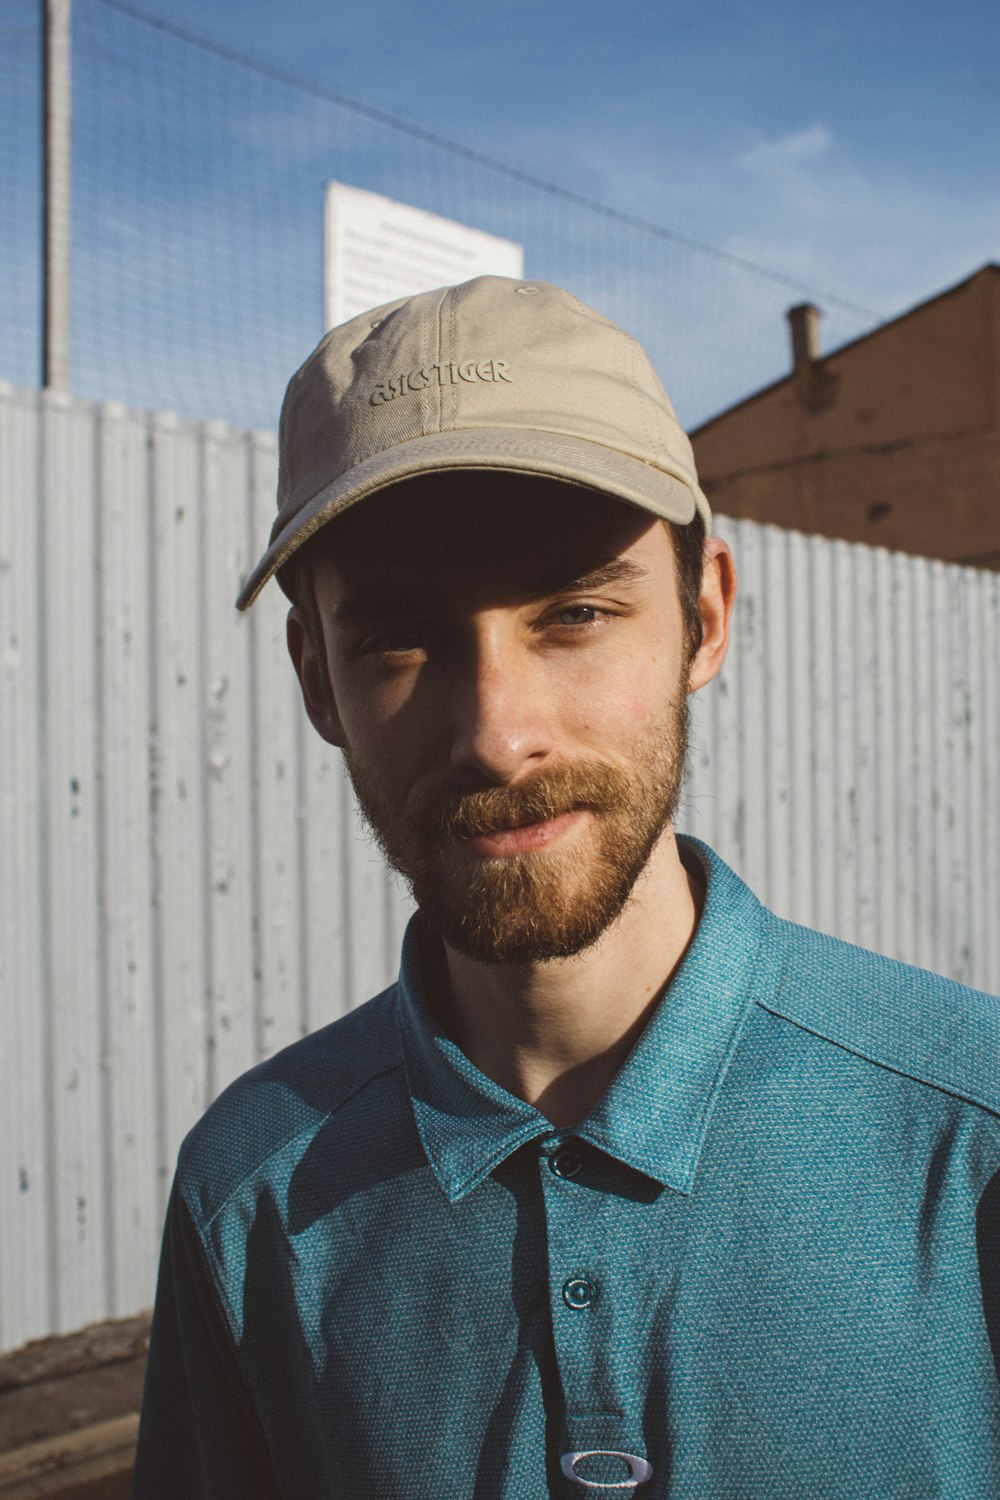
x=766 y=1265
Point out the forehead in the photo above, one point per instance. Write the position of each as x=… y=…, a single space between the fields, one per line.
x=505 y=534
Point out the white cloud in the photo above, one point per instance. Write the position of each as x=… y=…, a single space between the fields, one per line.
x=769 y=156
x=875 y=235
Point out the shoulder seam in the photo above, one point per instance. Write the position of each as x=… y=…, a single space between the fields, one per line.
x=942 y=1086
x=217 y=1281
x=283 y=1145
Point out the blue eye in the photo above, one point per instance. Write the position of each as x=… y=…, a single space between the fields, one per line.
x=577 y=614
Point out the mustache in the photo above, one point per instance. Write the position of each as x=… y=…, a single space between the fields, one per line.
x=592 y=785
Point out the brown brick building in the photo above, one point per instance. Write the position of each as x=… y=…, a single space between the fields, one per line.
x=893 y=439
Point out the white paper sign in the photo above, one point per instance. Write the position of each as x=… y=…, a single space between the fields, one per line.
x=378 y=250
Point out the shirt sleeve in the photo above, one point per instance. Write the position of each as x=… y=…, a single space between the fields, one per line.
x=200 y=1437
x=988 y=1249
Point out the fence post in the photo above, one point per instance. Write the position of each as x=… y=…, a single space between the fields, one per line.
x=56 y=192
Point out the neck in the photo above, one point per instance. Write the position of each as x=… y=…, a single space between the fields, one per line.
x=556 y=1033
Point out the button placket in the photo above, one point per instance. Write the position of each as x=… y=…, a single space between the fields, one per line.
x=575 y=1287
x=579 y=1291
x=582 y=1290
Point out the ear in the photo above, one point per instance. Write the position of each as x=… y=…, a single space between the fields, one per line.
x=718 y=594
x=309 y=660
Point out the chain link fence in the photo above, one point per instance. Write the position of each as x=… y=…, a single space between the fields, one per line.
x=197 y=224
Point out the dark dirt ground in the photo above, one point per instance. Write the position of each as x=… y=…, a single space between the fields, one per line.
x=58 y=1386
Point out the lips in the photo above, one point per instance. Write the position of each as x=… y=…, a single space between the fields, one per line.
x=525 y=837
x=527 y=819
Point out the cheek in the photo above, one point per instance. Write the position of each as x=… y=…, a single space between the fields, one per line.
x=383 y=726
x=617 y=704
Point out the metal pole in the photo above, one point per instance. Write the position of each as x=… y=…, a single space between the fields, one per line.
x=56 y=94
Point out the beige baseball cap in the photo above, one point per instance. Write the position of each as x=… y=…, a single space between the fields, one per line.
x=517 y=376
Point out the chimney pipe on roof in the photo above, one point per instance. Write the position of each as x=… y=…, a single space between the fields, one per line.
x=803 y=320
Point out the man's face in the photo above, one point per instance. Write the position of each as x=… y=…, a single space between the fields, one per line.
x=510 y=691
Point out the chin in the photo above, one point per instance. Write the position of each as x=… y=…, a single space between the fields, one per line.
x=525 y=909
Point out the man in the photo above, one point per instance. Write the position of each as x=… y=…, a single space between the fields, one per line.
x=627 y=1185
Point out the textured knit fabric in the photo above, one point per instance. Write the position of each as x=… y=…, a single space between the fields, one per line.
x=767 y=1263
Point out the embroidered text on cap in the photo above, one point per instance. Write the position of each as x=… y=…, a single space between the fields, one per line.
x=445 y=372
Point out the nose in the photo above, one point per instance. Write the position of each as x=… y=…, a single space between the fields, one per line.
x=501 y=710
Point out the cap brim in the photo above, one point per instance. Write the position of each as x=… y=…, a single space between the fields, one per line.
x=544 y=453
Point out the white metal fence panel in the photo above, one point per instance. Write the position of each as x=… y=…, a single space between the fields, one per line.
x=187 y=887
x=847 y=762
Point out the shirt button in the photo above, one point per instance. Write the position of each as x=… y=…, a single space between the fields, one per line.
x=578 y=1292
x=566 y=1163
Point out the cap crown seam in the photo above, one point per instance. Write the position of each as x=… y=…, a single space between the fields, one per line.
x=633 y=377
x=452 y=301
x=436 y=398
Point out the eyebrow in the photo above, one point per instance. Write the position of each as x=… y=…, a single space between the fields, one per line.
x=618 y=570
x=365 y=611
x=373 y=608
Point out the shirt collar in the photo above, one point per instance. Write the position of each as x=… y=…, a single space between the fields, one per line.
x=655 y=1114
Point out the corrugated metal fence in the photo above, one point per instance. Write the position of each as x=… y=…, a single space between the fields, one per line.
x=185 y=884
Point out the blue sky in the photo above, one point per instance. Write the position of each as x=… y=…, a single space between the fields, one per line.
x=852 y=148
x=855 y=144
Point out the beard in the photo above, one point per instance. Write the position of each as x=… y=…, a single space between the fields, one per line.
x=546 y=904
